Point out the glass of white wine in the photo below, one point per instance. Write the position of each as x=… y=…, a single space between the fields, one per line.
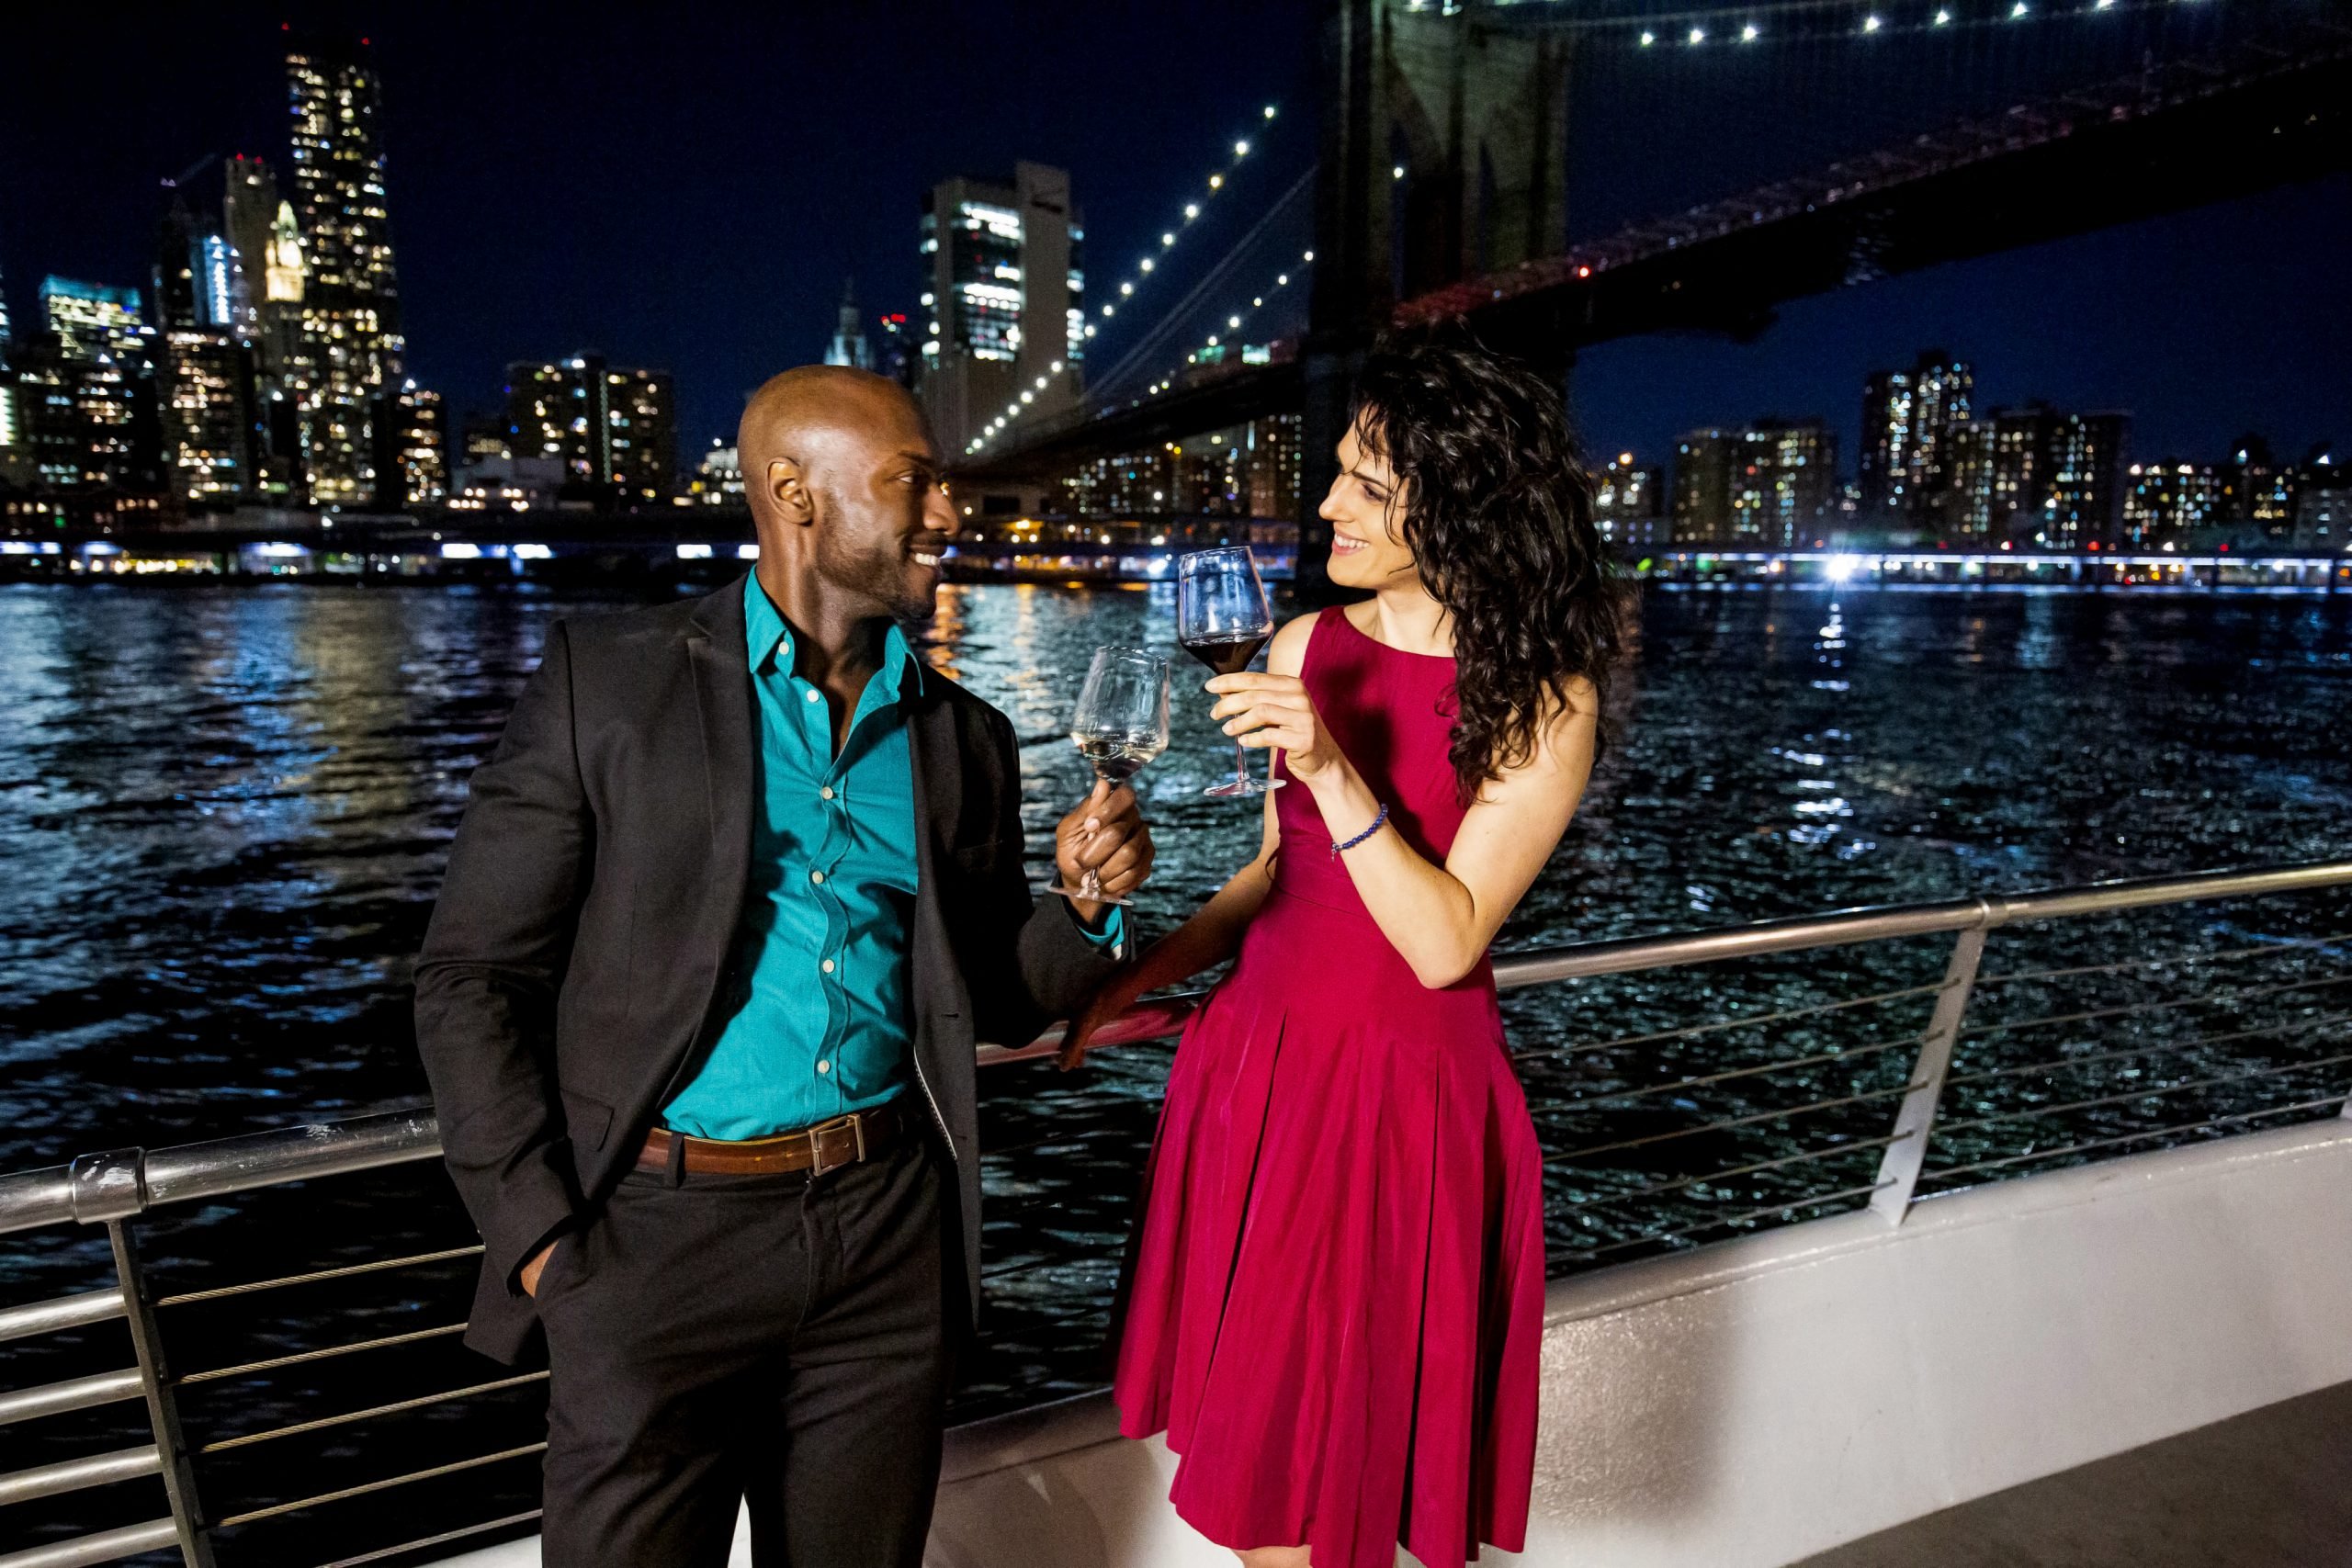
x=1122 y=723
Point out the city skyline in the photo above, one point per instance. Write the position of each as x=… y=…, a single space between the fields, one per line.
x=507 y=268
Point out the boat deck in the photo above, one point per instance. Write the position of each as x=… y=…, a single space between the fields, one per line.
x=2270 y=1489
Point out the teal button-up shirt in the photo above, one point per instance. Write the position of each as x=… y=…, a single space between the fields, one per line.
x=819 y=1024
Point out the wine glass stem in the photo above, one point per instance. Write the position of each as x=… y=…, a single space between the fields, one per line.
x=1240 y=760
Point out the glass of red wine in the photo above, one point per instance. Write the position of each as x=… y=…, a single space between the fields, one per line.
x=1223 y=619
x=1121 y=724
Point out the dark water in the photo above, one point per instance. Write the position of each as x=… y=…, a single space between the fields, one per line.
x=223 y=813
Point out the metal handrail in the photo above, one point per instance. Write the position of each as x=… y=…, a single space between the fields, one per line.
x=119 y=1183
x=112 y=1187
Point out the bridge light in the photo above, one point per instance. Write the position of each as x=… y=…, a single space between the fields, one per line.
x=1027 y=396
x=1648 y=39
x=1698 y=35
x=1168 y=239
x=1747 y=33
x=1870 y=24
x=1396 y=172
x=1241 y=149
x=1110 y=310
x=2016 y=10
x=1126 y=288
x=1191 y=210
x=1584 y=271
x=1282 y=280
x=1056 y=367
x=1943 y=19
x=1270 y=111
x=1146 y=265
x=1216 y=182
x=1089 y=329
x=1257 y=301
x=1310 y=256
x=1041 y=380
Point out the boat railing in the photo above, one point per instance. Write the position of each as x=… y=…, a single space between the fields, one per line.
x=1927 y=1033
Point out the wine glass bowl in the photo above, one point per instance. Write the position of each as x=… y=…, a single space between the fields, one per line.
x=1121 y=724
x=1223 y=619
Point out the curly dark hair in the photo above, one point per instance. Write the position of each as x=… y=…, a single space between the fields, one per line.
x=1499 y=514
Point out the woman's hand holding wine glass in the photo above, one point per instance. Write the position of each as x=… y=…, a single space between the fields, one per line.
x=1263 y=711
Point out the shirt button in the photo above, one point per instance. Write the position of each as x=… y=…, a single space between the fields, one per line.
x=812 y=695
x=815 y=876
x=826 y=966
x=824 y=1067
x=826 y=793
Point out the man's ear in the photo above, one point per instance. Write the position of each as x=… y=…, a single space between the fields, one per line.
x=788 y=488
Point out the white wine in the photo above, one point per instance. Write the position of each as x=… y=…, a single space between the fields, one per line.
x=1117 y=758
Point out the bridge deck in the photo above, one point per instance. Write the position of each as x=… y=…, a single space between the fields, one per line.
x=2271 y=1489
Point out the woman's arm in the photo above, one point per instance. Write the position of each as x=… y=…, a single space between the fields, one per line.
x=1440 y=918
x=1214 y=933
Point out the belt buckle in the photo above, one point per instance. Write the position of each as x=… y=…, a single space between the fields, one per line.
x=818 y=1164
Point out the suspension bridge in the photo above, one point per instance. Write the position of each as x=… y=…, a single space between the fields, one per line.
x=1558 y=175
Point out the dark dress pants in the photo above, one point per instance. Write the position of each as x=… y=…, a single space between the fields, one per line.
x=774 y=1338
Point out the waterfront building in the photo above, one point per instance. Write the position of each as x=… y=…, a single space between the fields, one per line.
x=1275 y=467
x=417 y=445
x=2323 y=504
x=614 y=430
x=1703 y=471
x=718 y=482
x=249 y=207
x=2035 y=475
x=79 y=415
x=1004 y=296
x=2164 y=502
x=1627 y=502
x=2258 y=492
x=511 y=484
x=483 y=436
x=1767 y=485
x=204 y=390
x=849 y=346
x=1783 y=483
x=349 y=349
x=1910 y=421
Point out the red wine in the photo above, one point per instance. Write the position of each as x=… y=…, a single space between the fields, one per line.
x=1227 y=655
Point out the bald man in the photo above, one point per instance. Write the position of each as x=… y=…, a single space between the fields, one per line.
x=730 y=904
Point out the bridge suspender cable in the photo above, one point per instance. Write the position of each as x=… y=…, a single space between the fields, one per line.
x=1172 y=318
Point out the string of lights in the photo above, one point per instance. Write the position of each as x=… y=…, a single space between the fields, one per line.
x=1129 y=285
x=1234 y=323
x=1696 y=30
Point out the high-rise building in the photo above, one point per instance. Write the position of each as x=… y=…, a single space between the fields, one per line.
x=1004 y=298
x=1703 y=475
x=613 y=429
x=849 y=346
x=249 y=207
x=1275 y=467
x=205 y=393
x=2258 y=492
x=1769 y=485
x=416 y=439
x=93 y=321
x=1909 y=423
x=350 y=350
x=2324 y=503
x=1783 y=483
x=81 y=416
x=1627 y=503
x=2164 y=502
x=2036 y=475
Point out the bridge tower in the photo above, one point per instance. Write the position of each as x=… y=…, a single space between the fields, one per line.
x=1444 y=141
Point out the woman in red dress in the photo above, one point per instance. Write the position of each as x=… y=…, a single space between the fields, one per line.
x=1337 y=1289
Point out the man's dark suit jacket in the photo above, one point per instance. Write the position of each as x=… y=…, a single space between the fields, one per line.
x=567 y=983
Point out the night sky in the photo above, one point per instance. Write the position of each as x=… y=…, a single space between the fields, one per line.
x=687 y=187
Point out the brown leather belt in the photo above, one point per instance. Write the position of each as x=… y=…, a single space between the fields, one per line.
x=828 y=1145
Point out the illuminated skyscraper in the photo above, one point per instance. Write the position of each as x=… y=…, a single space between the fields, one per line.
x=611 y=428
x=1783 y=481
x=1702 y=479
x=349 y=349
x=93 y=322
x=2036 y=475
x=1627 y=502
x=2162 y=502
x=1909 y=418
x=1004 y=296
x=415 y=429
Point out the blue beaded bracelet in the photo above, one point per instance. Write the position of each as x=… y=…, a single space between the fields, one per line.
x=1360 y=838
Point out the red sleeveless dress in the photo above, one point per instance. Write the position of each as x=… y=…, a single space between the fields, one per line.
x=1337 y=1290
